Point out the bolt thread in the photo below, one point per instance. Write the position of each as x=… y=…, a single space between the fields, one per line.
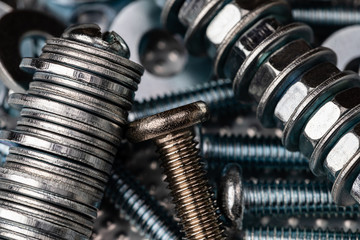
x=285 y=198
x=65 y=141
x=140 y=208
x=264 y=152
x=327 y=16
x=189 y=187
x=218 y=95
x=296 y=234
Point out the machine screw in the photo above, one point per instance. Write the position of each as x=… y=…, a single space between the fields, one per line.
x=296 y=234
x=327 y=16
x=265 y=152
x=67 y=136
x=172 y=133
x=143 y=211
x=218 y=95
x=276 y=198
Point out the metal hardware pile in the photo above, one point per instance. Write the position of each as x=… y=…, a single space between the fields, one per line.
x=252 y=107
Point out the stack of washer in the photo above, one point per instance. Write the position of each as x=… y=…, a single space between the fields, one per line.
x=65 y=141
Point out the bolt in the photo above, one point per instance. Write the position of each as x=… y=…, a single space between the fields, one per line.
x=265 y=152
x=276 y=198
x=295 y=234
x=327 y=16
x=218 y=95
x=174 y=137
x=67 y=136
x=143 y=211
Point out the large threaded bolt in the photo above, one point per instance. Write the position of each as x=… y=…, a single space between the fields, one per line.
x=65 y=141
x=172 y=133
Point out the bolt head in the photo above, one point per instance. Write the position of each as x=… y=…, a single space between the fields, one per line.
x=91 y=34
x=231 y=194
x=173 y=120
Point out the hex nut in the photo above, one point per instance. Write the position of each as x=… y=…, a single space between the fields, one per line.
x=190 y=10
x=221 y=25
x=322 y=120
x=278 y=61
x=298 y=91
x=341 y=153
x=246 y=43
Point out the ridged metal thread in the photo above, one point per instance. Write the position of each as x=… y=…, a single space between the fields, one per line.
x=265 y=152
x=296 y=234
x=293 y=198
x=327 y=16
x=189 y=187
x=140 y=208
x=218 y=95
x=67 y=137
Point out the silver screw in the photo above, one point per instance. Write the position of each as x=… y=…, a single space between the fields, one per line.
x=241 y=198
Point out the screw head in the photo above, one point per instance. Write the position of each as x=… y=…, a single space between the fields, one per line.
x=231 y=194
x=90 y=33
x=167 y=122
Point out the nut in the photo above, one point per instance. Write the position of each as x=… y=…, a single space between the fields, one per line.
x=323 y=120
x=297 y=92
x=341 y=153
x=246 y=43
x=221 y=25
x=190 y=10
x=274 y=65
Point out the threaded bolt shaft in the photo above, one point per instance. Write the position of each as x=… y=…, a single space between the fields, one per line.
x=277 y=198
x=299 y=198
x=327 y=16
x=262 y=152
x=218 y=95
x=296 y=234
x=172 y=133
x=143 y=211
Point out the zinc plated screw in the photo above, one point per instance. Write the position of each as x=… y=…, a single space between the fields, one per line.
x=140 y=208
x=265 y=152
x=218 y=95
x=276 y=198
x=296 y=234
x=327 y=16
x=173 y=134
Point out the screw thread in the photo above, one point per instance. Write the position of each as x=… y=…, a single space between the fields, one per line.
x=285 y=198
x=249 y=152
x=189 y=187
x=327 y=16
x=296 y=234
x=218 y=95
x=143 y=211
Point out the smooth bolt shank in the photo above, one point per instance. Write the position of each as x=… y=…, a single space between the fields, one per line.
x=67 y=135
x=172 y=133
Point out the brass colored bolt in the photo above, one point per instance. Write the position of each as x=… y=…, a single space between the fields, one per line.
x=173 y=134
